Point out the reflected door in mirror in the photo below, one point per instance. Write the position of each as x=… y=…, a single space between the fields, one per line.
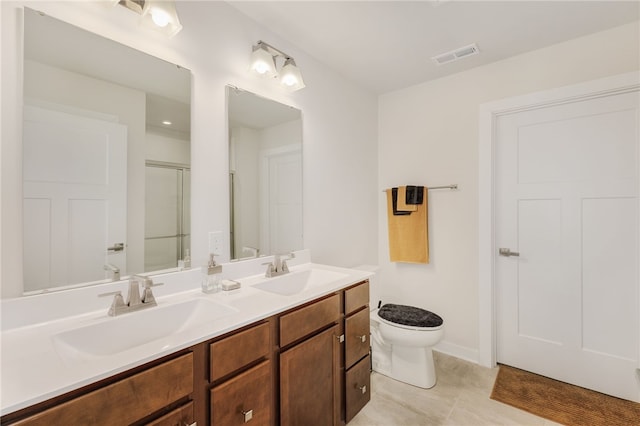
x=74 y=179
x=281 y=221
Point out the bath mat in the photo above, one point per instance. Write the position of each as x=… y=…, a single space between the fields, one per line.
x=560 y=402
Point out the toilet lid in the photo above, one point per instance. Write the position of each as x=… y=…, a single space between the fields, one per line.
x=409 y=315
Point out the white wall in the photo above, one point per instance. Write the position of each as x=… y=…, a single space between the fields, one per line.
x=339 y=127
x=246 y=145
x=428 y=134
x=167 y=148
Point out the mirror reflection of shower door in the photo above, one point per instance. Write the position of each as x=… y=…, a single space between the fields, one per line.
x=167 y=215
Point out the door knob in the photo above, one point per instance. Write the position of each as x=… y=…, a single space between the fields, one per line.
x=507 y=252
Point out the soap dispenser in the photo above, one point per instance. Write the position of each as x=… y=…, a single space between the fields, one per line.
x=211 y=279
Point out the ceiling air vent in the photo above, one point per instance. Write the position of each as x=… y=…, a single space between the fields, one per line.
x=456 y=54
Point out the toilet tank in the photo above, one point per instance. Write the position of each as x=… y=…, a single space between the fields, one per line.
x=374 y=287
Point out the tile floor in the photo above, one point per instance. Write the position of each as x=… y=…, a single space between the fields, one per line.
x=459 y=398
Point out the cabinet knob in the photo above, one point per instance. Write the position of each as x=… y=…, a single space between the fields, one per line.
x=340 y=338
x=363 y=338
x=248 y=415
x=363 y=388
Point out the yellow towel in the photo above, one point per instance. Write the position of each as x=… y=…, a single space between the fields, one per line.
x=401 y=204
x=408 y=235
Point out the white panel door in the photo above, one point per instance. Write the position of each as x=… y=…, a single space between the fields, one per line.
x=281 y=195
x=75 y=187
x=567 y=203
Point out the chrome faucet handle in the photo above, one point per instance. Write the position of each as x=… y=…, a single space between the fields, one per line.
x=147 y=293
x=284 y=268
x=118 y=302
x=270 y=269
x=133 y=299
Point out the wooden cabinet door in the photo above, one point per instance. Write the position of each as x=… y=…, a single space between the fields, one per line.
x=356 y=337
x=309 y=380
x=244 y=398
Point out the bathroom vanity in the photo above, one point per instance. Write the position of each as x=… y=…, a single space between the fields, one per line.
x=274 y=358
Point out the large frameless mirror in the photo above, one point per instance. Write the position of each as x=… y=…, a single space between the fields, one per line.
x=265 y=165
x=106 y=158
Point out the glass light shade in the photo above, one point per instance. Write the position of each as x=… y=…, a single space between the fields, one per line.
x=290 y=76
x=263 y=62
x=161 y=15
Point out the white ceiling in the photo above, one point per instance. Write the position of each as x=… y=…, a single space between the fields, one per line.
x=388 y=45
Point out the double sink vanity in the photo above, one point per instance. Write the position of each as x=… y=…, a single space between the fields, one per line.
x=291 y=349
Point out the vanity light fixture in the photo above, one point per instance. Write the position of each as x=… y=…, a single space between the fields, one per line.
x=163 y=15
x=263 y=62
x=160 y=15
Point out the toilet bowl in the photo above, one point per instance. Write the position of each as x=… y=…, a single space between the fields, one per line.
x=402 y=339
x=407 y=341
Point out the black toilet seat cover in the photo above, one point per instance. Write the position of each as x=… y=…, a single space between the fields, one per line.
x=409 y=315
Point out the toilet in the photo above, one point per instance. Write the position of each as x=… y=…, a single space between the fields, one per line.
x=406 y=335
x=402 y=338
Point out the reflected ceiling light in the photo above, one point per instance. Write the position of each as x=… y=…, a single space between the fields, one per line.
x=263 y=62
x=160 y=15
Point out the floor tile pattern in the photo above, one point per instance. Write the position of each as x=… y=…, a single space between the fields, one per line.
x=459 y=398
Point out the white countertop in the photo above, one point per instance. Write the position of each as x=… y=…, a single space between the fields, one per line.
x=33 y=369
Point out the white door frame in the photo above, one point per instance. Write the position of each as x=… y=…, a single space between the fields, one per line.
x=488 y=114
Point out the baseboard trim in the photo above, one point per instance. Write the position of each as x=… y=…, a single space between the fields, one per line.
x=458 y=351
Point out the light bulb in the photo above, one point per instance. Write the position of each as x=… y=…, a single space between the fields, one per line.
x=289 y=80
x=261 y=67
x=262 y=62
x=160 y=18
x=290 y=76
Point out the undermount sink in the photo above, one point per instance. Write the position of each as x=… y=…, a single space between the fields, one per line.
x=114 y=335
x=295 y=282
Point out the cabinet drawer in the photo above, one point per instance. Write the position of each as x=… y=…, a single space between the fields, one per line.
x=181 y=416
x=356 y=297
x=357 y=387
x=305 y=321
x=356 y=337
x=238 y=350
x=125 y=401
x=246 y=397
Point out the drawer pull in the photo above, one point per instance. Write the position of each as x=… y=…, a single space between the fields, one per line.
x=363 y=389
x=363 y=338
x=248 y=415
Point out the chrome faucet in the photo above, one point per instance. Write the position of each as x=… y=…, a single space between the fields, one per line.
x=114 y=269
x=278 y=266
x=135 y=302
